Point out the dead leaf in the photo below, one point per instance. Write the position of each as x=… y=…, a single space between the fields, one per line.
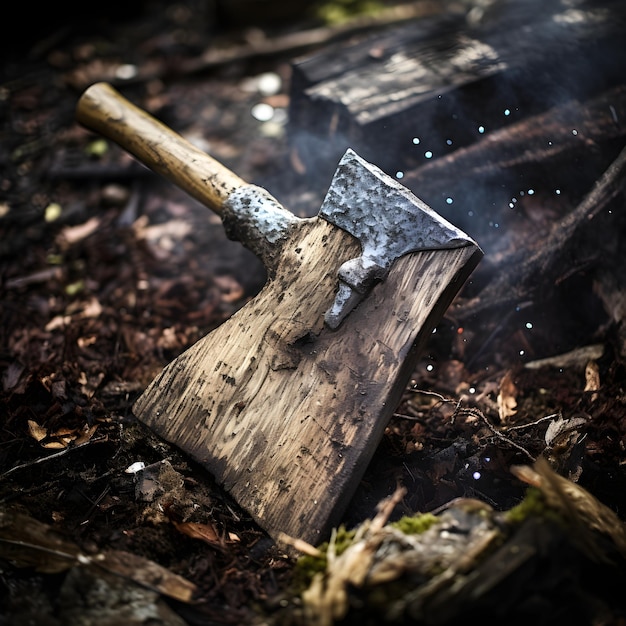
x=169 y=339
x=36 y=431
x=47 y=381
x=88 y=385
x=54 y=445
x=62 y=437
x=162 y=238
x=203 y=532
x=92 y=309
x=58 y=321
x=560 y=427
x=85 y=342
x=86 y=434
x=86 y=309
x=58 y=389
x=64 y=431
x=12 y=375
x=507 y=397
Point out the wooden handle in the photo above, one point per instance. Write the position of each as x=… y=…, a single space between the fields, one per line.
x=103 y=109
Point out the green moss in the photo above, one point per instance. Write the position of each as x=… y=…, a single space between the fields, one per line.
x=343 y=540
x=533 y=505
x=97 y=148
x=338 y=11
x=307 y=566
x=415 y=524
x=74 y=288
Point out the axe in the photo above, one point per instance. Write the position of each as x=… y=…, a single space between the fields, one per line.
x=286 y=401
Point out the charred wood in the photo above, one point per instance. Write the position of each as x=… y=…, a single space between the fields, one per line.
x=523 y=274
x=574 y=126
x=446 y=79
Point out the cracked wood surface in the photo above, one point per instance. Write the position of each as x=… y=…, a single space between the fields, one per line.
x=286 y=413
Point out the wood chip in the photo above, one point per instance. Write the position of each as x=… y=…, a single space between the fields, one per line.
x=507 y=397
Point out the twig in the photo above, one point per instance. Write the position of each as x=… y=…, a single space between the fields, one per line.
x=535 y=423
x=425 y=392
x=56 y=455
x=301 y=41
x=498 y=434
x=385 y=509
x=411 y=418
x=416 y=418
x=300 y=545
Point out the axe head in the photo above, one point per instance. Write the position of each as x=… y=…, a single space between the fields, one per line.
x=286 y=402
x=389 y=222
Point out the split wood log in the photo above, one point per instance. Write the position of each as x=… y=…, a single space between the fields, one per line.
x=301 y=41
x=318 y=410
x=460 y=112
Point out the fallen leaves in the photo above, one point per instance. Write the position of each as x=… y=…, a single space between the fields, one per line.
x=592 y=379
x=162 y=238
x=71 y=235
x=141 y=326
x=203 y=532
x=167 y=500
x=61 y=437
x=12 y=375
x=78 y=310
x=561 y=428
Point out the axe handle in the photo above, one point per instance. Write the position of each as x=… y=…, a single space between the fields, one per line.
x=103 y=109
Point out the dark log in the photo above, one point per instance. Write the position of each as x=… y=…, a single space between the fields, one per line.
x=523 y=272
x=561 y=151
x=574 y=126
x=448 y=82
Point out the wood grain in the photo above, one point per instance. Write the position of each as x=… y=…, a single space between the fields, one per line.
x=103 y=109
x=286 y=413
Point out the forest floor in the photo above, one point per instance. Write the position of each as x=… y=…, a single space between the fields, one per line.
x=107 y=273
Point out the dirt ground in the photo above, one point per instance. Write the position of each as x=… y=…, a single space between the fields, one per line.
x=107 y=273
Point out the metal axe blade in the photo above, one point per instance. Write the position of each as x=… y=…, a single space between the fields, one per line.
x=389 y=222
